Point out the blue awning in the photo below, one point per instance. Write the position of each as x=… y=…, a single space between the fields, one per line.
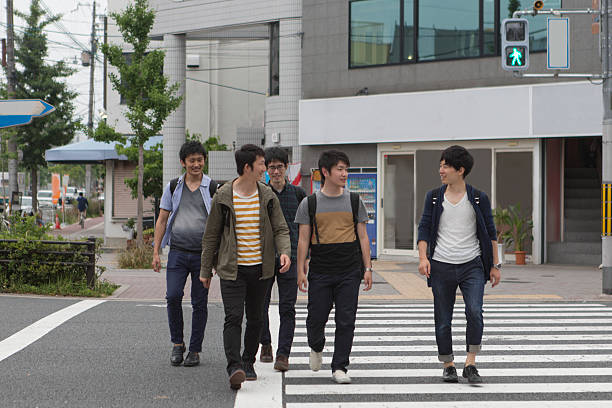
x=90 y=151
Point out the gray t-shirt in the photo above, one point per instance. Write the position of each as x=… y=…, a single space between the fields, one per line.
x=190 y=221
x=337 y=249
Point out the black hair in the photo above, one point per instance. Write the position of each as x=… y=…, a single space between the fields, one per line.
x=329 y=159
x=247 y=154
x=81 y=194
x=191 y=147
x=458 y=157
x=276 y=154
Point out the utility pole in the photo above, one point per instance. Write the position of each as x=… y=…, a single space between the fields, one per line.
x=10 y=88
x=92 y=64
x=606 y=150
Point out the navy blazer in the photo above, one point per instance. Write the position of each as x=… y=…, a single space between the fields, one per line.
x=485 y=226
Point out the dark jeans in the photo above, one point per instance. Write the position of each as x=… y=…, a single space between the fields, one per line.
x=247 y=292
x=180 y=265
x=445 y=278
x=325 y=290
x=287 y=296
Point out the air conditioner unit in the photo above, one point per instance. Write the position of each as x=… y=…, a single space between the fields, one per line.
x=193 y=61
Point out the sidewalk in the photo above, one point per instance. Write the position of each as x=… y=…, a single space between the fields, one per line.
x=397 y=280
x=94 y=227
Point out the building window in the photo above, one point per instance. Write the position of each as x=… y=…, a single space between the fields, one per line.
x=274 y=68
x=375 y=32
x=384 y=32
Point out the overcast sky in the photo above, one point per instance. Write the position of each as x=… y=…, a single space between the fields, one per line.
x=76 y=21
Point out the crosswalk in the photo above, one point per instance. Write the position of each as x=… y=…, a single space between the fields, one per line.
x=534 y=355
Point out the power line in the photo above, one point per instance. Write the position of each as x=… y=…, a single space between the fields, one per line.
x=226 y=86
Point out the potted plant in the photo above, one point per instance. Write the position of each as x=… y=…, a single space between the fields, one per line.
x=519 y=232
x=501 y=217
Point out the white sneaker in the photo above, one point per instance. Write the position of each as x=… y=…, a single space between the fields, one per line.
x=340 y=377
x=315 y=360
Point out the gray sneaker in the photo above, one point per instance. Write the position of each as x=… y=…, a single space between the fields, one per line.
x=315 y=360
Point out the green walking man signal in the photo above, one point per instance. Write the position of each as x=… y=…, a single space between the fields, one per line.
x=515 y=44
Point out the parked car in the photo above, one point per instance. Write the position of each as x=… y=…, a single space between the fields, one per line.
x=45 y=198
x=71 y=194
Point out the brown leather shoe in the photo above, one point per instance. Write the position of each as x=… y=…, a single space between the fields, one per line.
x=281 y=364
x=266 y=353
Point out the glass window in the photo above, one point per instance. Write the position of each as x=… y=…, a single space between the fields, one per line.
x=448 y=29
x=537 y=24
x=409 y=54
x=488 y=27
x=375 y=32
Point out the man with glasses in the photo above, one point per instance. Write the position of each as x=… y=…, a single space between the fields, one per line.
x=290 y=197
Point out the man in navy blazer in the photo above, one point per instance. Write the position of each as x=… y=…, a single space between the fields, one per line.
x=456 y=240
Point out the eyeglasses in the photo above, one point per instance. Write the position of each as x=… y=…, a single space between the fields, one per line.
x=272 y=169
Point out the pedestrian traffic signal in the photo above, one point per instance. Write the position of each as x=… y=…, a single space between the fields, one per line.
x=515 y=44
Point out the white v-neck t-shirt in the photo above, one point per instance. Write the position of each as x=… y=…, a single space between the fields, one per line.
x=457 y=241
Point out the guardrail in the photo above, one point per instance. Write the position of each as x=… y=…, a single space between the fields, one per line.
x=76 y=246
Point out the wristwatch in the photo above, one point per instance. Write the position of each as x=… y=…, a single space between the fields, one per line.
x=497 y=266
x=369 y=270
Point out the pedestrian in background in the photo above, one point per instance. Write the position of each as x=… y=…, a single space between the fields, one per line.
x=290 y=197
x=183 y=213
x=332 y=223
x=456 y=240
x=245 y=231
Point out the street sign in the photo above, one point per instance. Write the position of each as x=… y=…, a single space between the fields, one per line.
x=16 y=112
x=558 y=47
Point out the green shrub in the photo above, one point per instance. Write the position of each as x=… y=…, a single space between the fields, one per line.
x=94 y=209
x=136 y=258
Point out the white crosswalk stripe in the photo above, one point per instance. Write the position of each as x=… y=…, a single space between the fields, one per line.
x=534 y=355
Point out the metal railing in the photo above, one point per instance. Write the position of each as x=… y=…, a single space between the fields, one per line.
x=89 y=252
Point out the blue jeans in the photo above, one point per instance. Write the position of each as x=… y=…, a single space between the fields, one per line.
x=445 y=278
x=325 y=290
x=180 y=265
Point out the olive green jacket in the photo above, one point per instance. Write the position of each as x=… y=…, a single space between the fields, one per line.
x=219 y=241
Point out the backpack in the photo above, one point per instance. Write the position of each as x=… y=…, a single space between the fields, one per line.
x=312 y=211
x=435 y=196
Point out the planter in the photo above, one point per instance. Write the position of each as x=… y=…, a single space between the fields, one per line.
x=500 y=253
x=520 y=257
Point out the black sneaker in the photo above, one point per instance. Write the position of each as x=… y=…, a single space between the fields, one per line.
x=176 y=358
x=192 y=359
x=471 y=373
x=450 y=374
x=249 y=370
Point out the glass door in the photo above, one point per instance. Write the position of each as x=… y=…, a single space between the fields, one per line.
x=398 y=203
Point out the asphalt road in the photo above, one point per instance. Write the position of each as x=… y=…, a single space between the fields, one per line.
x=115 y=354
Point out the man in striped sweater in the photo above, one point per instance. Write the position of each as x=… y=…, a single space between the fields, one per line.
x=245 y=230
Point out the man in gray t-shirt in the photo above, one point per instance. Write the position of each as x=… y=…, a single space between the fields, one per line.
x=184 y=209
x=336 y=245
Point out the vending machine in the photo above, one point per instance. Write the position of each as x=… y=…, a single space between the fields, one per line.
x=365 y=185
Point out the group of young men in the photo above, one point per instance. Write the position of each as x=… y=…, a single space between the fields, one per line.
x=252 y=234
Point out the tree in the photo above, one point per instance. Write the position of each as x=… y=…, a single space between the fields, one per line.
x=38 y=79
x=149 y=97
x=513 y=5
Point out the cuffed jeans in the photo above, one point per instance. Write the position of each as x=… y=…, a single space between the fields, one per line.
x=247 y=292
x=445 y=278
x=180 y=265
x=287 y=296
x=325 y=290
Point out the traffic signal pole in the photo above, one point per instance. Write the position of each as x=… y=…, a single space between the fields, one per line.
x=606 y=151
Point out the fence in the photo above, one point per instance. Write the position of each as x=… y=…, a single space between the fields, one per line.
x=65 y=250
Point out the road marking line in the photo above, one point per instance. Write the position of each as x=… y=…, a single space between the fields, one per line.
x=459 y=309
x=456 y=321
x=267 y=391
x=485 y=372
x=486 y=315
x=330 y=328
x=457 y=404
x=502 y=358
x=36 y=330
x=486 y=348
x=378 y=389
x=485 y=339
x=461 y=304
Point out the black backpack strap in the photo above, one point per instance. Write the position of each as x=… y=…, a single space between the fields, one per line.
x=212 y=187
x=435 y=196
x=476 y=193
x=312 y=212
x=300 y=194
x=355 y=209
x=173 y=184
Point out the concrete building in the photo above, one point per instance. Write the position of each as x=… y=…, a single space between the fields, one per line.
x=393 y=83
